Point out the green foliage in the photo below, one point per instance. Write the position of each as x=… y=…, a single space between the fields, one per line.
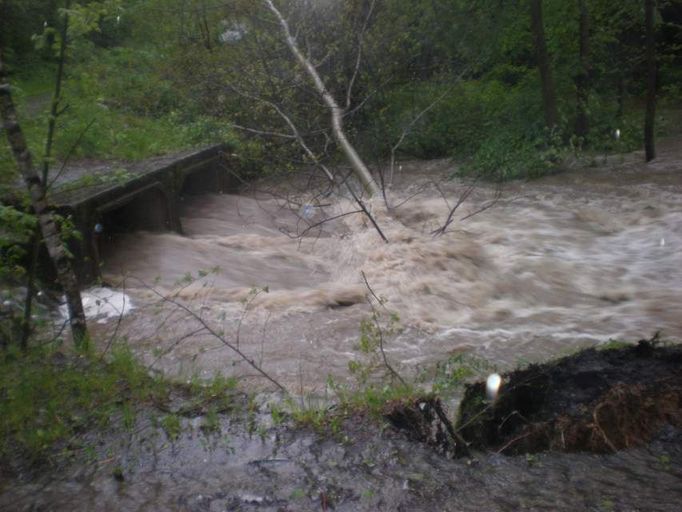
x=49 y=398
x=101 y=122
x=375 y=384
x=614 y=345
x=210 y=397
x=493 y=118
x=16 y=230
x=172 y=426
x=509 y=155
x=154 y=77
x=457 y=370
x=370 y=366
x=211 y=424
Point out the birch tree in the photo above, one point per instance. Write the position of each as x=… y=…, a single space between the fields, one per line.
x=336 y=112
x=46 y=220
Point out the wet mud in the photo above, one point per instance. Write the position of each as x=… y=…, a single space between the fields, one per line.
x=362 y=468
x=596 y=401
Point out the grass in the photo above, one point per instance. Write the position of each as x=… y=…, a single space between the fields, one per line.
x=49 y=400
x=375 y=390
x=98 y=124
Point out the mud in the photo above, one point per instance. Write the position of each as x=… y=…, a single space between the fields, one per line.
x=597 y=400
x=363 y=468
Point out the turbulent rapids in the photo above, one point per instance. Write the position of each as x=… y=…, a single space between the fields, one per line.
x=564 y=262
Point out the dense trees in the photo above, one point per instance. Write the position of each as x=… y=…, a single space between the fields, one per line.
x=506 y=71
x=544 y=65
x=649 y=147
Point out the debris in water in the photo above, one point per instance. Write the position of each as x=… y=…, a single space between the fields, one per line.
x=307 y=211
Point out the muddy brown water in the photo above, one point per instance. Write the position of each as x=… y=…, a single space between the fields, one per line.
x=568 y=261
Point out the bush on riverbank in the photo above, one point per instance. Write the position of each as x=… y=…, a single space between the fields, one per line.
x=50 y=400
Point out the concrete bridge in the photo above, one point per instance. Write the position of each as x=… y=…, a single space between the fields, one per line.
x=126 y=197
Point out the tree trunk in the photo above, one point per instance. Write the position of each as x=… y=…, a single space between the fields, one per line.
x=649 y=138
x=48 y=227
x=359 y=168
x=547 y=82
x=582 y=80
x=56 y=98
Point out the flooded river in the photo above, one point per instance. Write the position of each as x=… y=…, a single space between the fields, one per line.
x=571 y=260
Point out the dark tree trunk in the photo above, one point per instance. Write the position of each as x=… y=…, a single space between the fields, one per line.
x=48 y=227
x=547 y=82
x=649 y=139
x=621 y=96
x=56 y=99
x=582 y=80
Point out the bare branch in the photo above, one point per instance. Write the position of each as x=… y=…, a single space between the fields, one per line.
x=490 y=204
x=358 y=60
x=335 y=110
x=244 y=315
x=375 y=317
x=320 y=223
x=69 y=154
x=207 y=327
x=262 y=132
x=450 y=218
x=314 y=158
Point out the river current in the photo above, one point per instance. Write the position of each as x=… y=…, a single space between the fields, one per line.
x=567 y=261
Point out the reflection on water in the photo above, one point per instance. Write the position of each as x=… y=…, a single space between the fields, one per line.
x=570 y=260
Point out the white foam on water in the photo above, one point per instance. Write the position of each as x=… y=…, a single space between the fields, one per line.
x=102 y=305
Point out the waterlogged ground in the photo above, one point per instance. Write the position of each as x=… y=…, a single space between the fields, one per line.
x=362 y=469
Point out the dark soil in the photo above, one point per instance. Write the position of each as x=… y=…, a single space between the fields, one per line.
x=424 y=421
x=596 y=400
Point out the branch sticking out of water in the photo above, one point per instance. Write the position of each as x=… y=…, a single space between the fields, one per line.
x=210 y=330
x=375 y=317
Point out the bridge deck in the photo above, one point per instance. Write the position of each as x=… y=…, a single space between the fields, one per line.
x=89 y=181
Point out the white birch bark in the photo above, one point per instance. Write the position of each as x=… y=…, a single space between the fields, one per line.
x=357 y=164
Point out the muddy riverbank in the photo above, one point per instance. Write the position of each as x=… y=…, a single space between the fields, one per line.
x=288 y=470
x=249 y=461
